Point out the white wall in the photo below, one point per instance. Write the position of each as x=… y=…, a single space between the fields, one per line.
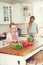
x=38 y=13
x=23 y=27
x=5 y=28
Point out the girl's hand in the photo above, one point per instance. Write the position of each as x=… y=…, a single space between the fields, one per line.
x=15 y=41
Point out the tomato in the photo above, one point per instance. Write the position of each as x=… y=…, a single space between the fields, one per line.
x=25 y=43
x=30 y=43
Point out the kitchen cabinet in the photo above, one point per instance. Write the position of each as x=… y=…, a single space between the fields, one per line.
x=7 y=60
x=17 y=13
x=4 y=13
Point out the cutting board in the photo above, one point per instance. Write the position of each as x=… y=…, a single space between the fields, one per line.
x=22 y=52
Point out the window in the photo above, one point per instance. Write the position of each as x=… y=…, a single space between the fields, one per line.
x=5 y=11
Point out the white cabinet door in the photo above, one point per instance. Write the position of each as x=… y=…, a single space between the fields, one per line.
x=17 y=13
x=4 y=13
x=7 y=60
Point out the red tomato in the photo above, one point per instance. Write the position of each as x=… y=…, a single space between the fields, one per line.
x=24 y=43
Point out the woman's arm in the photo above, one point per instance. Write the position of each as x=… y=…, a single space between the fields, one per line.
x=37 y=28
x=28 y=29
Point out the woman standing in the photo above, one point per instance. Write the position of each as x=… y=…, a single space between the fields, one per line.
x=32 y=26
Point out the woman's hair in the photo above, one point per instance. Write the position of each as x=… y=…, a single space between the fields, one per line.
x=30 y=22
x=32 y=17
x=11 y=24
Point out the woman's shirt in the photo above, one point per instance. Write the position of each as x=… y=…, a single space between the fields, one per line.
x=32 y=30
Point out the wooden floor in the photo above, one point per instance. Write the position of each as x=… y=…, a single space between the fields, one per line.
x=37 y=59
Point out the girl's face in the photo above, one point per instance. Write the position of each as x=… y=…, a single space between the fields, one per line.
x=13 y=28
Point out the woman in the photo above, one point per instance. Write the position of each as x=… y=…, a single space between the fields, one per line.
x=12 y=36
x=32 y=26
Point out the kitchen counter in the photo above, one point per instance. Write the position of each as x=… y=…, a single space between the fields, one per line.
x=19 y=56
x=23 y=52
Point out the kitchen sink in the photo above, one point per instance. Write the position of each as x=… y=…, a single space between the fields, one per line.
x=3 y=43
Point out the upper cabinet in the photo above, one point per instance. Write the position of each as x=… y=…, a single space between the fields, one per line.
x=4 y=13
x=17 y=13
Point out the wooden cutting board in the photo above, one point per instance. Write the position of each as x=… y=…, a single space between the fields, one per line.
x=22 y=52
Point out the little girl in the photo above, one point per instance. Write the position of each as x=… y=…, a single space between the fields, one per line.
x=12 y=36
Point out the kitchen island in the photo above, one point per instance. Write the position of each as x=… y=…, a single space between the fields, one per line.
x=10 y=56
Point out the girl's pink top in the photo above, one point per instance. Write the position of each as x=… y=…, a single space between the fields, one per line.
x=15 y=37
x=12 y=37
